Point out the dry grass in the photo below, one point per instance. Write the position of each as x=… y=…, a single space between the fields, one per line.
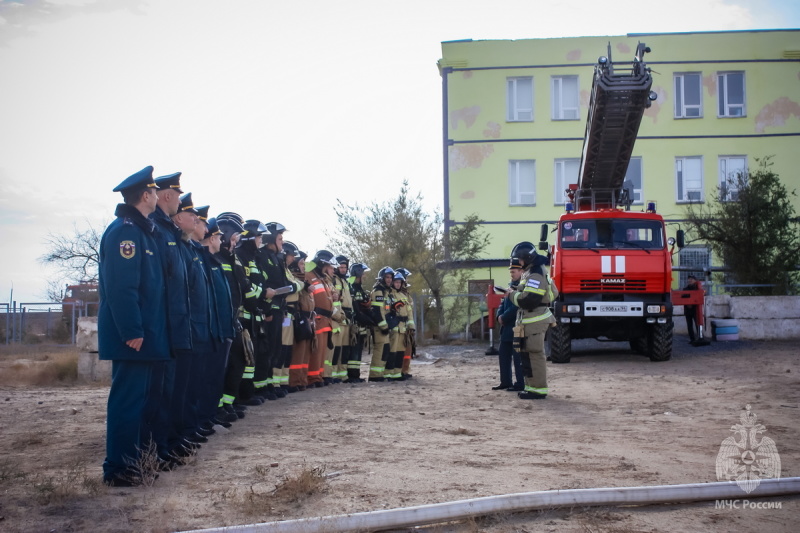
x=462 y=431
x=59 y=488
x=38 y=366
x=290 y=490
x=307 y=482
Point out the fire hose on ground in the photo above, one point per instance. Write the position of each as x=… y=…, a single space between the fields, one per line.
x=526 y=501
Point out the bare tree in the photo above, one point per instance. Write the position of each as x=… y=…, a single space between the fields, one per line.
x=76 y=257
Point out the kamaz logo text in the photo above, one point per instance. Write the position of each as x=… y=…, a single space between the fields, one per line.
x=612 y=280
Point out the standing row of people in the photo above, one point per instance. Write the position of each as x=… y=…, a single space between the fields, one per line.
x=203 y=317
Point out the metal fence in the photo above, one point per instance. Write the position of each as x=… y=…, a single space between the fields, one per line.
x=34 y=322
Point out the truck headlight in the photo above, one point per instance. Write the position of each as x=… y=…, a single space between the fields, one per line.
x=653 y=309
x=573 y=309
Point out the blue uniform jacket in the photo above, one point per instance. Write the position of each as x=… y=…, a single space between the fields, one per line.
x=508 y=312
x=199 y=295
x=132 y=290
x=223 y=305
x=168 y=239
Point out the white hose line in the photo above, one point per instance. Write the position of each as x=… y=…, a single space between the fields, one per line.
x=525 y=501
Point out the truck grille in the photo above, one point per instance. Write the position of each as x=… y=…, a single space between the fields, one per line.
x=596 y=285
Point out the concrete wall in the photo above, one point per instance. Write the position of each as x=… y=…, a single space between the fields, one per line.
x=759 y=317
x=90 y=368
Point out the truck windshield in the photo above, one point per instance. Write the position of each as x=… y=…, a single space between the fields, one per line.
x=612 y=233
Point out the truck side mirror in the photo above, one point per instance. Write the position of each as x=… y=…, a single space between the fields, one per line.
x=681 y=238
x=543 y=238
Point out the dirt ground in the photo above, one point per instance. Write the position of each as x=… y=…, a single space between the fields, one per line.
x=613 y=419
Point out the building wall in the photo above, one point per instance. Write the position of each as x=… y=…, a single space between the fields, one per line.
x=479 y=141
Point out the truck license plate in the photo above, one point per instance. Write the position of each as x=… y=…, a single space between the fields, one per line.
x=613 y=308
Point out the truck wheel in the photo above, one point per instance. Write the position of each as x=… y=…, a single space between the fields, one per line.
x=639 y=345
x=660 y=342
x=560 y=343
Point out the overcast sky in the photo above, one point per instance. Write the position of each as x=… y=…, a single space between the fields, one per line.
x=273 y=109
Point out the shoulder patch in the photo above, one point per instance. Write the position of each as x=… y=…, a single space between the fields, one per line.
x=533 y=283
x=127 y=249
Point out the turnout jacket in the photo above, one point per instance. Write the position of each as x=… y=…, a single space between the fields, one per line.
x=533 y=296
x=320 y=288
x=133 y=300
x=381 y=299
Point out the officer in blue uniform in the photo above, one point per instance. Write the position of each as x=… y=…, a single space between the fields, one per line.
x=184 y=403
x=132 y=329
x=177 y=285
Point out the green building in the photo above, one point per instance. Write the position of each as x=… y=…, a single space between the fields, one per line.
x=514 y=116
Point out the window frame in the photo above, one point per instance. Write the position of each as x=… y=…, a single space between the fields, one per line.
x=560 y=198
x=678 y=187
x=680 y=95
x=723 y=179
x=512 y=109
x=722 y=94
x=558 y=80
x=514 y=180
x=641 y=175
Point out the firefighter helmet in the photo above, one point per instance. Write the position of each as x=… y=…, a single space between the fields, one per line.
x=274 y=229
x=228 y=227
x=342 y=260
x=404 y=271
x=525 y=252
x=324 y=257
x=385 y=271
x=230 y=215
x=253 y=228
x=357 y=269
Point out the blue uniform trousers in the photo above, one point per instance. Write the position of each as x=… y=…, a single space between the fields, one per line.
x=163 y=424
x=507 y=355
x=177 y=403
x=133 y=404
x=202 y=356
x=214 y=379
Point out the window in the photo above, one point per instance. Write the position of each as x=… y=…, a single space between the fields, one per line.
x=732 y=175
x=689 y=178
x=565 y=98
x=634 y=175
x=522 y=182
x=730 y=92
x=612 y=233
x=519 y=99
x=688 y=95
x=566 y=172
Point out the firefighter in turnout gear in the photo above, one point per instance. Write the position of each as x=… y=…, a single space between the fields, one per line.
x=396 y=318
x=303 y=321
x=319 y=285
x=342 y=342
x=243 y=299
x=410 y=341
x=292 y=306
x=381 y=299
x=247 y=250
x=361 y=323
x=273 y=268
x=533 y=296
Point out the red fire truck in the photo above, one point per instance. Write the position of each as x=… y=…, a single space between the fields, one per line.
x=612 y=265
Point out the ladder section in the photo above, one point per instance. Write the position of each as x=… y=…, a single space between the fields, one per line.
x=618 y=101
